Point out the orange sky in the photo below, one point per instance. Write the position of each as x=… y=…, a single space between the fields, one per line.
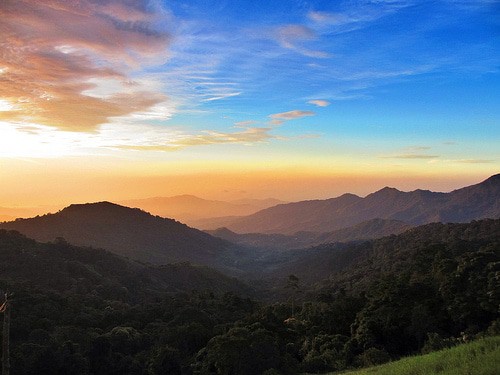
x=33 y=182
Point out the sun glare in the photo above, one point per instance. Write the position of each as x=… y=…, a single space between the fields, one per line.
x=36 y=141
x=5 y=105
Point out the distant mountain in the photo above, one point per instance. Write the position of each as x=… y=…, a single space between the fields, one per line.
x=189 y=208
x=415 y=208
x=371 y=229
x=61 y=267
x=214 y=223
x=128 y=232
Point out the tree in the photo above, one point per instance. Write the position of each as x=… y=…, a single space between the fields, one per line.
x=292 y=284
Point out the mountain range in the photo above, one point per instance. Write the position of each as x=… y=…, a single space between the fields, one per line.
x=415 y=208
x=134 y=233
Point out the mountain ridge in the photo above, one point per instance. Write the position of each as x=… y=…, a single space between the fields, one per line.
x=416 y=207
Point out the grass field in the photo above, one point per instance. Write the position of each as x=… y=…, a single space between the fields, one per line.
x=481 y=357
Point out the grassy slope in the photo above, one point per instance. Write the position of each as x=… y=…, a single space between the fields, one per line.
x=481 y=357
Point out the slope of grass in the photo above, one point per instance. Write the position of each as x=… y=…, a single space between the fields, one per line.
x=481 y=357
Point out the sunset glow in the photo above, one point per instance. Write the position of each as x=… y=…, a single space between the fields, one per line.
x=114 y=100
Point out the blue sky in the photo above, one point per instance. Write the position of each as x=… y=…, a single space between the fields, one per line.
x=413 y=71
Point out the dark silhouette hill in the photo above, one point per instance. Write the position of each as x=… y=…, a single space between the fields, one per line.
x=416 y=207
x=370 y=229
x=128 y=232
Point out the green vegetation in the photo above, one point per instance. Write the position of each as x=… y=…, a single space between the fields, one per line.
x=481 y=357
x=87 y=311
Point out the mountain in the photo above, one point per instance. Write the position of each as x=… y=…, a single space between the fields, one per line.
x=189 y=208
x=415 y=208
x=370 y=229
x=128 y=232
x=64 y=268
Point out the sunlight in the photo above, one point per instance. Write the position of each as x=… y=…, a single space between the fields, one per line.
x=37 y=141
x=5 y=105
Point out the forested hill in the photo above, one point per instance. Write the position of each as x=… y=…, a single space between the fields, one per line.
x=416 y=208
x=128 y=232
x=357 y=264
x=63 y=268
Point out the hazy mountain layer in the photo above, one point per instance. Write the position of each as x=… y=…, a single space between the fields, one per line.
x=375 y=228
x=189 y=208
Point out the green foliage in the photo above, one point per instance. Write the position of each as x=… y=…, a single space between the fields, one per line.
x=481 y=357
x=86 y=311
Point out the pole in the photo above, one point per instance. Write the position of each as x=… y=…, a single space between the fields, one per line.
x=5 y=337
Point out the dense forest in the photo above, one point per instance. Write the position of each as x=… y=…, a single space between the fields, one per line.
x=86 y=311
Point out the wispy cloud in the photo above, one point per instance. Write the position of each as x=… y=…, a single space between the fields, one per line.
x=356 y=15
x=410 y=156
x=417 y=148
x=279 y=118
x=319 y=103
x=293 y=37
x=247 y=136
x=54 y=52
x=244 y=124
x=475 y=161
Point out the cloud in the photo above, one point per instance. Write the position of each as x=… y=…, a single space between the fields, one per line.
x=319 y=103
x=410 y=156
x=357 y=14
x=329 y=18
x=279 y=118
x=475 y=161
x=55 y=53
x=247 y=136
x=244 y=124
x=293 y=37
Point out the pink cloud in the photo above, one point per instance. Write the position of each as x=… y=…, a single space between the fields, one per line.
x=51 y=50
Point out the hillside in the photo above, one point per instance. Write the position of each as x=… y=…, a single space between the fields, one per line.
x=481 y=357
x=355 y=265
x=87 y=311
x=371 y=229
x=63 y=268
x=415 y=208
x=128 y=232
x=189 y=208
x=84 y=311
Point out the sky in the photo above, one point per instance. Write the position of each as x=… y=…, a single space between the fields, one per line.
x=110 y=100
